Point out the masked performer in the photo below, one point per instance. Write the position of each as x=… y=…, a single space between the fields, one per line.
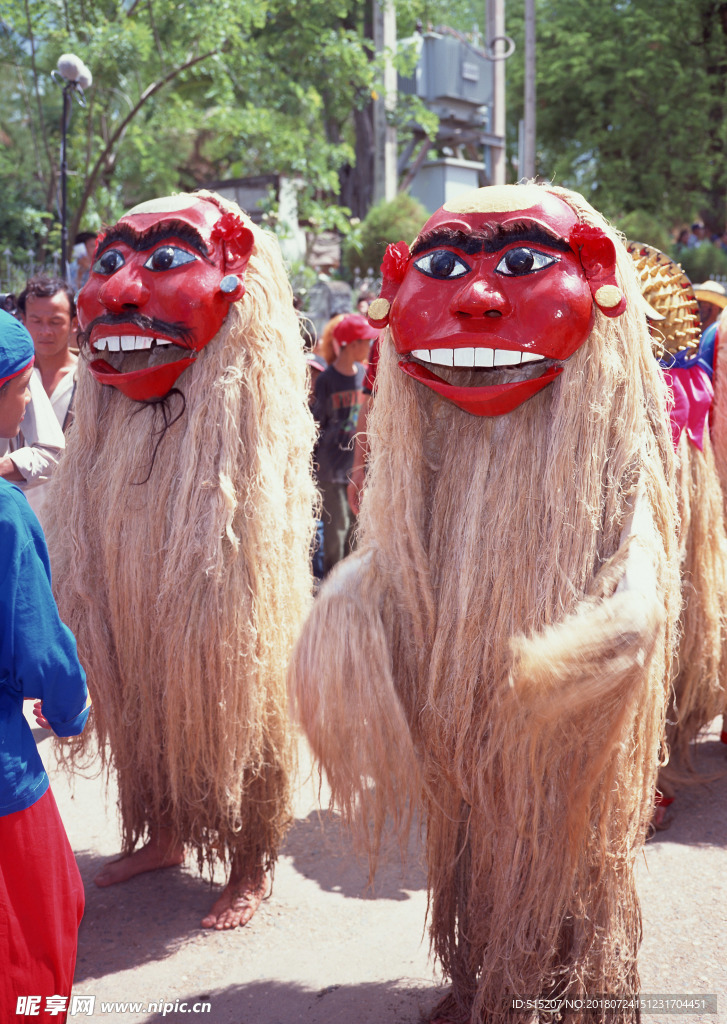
x=514 y=592
x=687 y=359
x=180 y=528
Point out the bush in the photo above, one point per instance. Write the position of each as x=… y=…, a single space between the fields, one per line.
x=703 y=262
x=401 y=218
x=640 y=226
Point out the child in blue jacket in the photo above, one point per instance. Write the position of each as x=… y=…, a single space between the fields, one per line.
x=41 y=894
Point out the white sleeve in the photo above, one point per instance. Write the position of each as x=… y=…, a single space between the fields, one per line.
x=41 y=441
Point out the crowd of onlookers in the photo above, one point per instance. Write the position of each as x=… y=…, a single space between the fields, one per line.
x=699 y=234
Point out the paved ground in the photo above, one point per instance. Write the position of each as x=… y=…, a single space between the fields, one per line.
x=323 y=950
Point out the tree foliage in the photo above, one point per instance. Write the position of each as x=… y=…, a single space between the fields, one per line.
x=185 y=94
x=630 y=102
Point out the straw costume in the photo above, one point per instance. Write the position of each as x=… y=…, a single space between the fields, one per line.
x=181 y=524
x=698 y=688
x=495 y=655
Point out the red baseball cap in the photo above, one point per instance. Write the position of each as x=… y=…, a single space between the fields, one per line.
x=354 y=327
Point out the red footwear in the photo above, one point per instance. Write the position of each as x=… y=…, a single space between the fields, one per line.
x=723 y=736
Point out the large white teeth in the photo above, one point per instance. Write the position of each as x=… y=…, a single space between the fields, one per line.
x=464 y=357
x=128 y=342
x=505 y=358
x=476 y=357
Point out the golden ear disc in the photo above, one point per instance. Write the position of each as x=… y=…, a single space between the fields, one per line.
x=608 y=296
x=379 y=309
x=668 y=290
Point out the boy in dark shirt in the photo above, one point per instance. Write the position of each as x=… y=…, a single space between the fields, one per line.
x=336 y=407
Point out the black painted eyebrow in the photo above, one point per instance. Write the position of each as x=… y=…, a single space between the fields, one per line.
x=490 y=239
x=140 y=241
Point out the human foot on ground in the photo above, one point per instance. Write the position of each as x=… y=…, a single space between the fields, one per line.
x=162 y=851
x=238 y=902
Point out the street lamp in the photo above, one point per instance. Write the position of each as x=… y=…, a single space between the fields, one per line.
x=76 y=77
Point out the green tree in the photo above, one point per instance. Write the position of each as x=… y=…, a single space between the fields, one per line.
x=182 y=94
x=630 y=102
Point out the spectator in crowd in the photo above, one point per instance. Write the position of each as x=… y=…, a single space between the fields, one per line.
x=712 y=299
x=48 y=309
x=363 y=302
x=326 y=345
x=336 y=406
x=83 y=250
x=30 y=458
x=41 y=893
x=9 y=303
x=697 y=235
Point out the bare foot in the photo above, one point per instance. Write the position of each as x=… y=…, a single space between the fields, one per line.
x=162 y=851
x=238 y=902
x=447 y=1012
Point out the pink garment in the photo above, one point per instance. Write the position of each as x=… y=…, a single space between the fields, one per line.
x=692 y=395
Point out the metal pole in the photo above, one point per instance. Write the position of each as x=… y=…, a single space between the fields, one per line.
x=385 y=143
x=528 y=169
x=496 y=41
x=64 y=176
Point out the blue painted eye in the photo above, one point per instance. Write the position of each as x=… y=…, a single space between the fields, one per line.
x=166 y=257
x=442 y=264
x=520 y=261
x=108 y=263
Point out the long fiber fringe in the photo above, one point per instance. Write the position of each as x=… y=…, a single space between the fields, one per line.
x=186 y=592
x=698 y=678
x=475 y=532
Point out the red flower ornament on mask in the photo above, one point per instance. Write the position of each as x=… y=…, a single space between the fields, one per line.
x=597 y=254
x=234 y=235
x=393 y=268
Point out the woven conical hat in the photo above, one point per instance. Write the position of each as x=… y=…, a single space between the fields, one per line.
x=669 y=294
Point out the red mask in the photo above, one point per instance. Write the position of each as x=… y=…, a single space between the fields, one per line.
x=504 y=277
x=162 y=280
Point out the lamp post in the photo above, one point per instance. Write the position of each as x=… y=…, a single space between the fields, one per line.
x=75 y=77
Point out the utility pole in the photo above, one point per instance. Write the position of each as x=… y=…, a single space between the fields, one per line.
x=497 y=45
x=385 y=145
x=528 y=155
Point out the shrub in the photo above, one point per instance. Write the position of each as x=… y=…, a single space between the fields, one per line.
x=386 y=222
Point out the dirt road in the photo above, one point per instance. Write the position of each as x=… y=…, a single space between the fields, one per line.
x=323 y=950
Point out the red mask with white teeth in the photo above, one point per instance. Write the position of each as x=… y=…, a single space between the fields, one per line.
x=155 y=289
x=500 y=278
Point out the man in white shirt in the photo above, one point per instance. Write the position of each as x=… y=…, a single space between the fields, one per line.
x=48 y=309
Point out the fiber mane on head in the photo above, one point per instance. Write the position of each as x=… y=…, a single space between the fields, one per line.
x=206 y=570
x=489 y=584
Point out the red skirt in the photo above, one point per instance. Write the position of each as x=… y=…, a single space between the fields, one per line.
x=41 y=905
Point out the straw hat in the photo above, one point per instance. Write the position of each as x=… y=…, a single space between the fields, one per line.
x=711 y=291
x=668 y=299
